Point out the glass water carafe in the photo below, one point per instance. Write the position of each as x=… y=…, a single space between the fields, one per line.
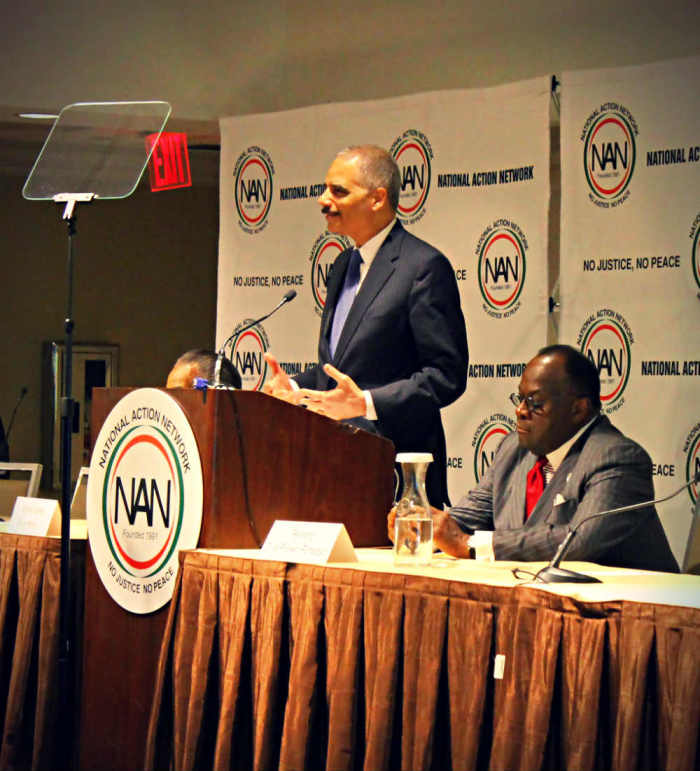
x=413 y=527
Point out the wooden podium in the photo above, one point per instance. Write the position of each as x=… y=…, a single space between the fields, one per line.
x=262 y=460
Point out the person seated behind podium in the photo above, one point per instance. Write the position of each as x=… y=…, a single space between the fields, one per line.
x=589 y=466
x=200 y=362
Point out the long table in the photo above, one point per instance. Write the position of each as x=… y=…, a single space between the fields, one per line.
x=273 y=665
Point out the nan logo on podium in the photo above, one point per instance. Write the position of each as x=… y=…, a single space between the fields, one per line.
x=144 y=498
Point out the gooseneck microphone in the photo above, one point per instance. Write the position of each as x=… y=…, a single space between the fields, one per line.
x=288 y=297
x=552 y=573
x=22 y=394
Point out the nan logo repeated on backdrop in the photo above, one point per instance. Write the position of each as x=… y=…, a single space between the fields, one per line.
x=323 y=253
x=609 y=154
x=252 y=189
x=487 y=437
x=606 y=339
x=144 y=498
x=501 y=268
x=695 y=250
x=691 y=448
x=247 y=352
x=413 y=155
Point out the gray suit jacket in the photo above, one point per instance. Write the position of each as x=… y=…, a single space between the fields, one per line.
x=405 y=341
x=603 y=470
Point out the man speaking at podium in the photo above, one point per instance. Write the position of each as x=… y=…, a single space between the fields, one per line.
x=393 y=343
x=564 y=462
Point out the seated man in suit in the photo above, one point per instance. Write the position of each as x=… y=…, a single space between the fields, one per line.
x=564 y=462
x=392 y=348
x=201 y=363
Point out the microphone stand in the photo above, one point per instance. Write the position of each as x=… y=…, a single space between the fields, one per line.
x=22 y=394
x=553 y=574
x=288 y=297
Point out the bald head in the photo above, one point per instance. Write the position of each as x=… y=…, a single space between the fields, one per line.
x=361 y=192
x=377 y=168
x=559 y=394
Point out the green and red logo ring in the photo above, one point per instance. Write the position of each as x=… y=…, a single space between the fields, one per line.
x=110 y=473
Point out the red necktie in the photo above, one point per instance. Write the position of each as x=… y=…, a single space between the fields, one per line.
x=535 y=484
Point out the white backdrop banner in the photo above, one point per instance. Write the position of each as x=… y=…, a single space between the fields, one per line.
x=475 y=183
x=630 y=261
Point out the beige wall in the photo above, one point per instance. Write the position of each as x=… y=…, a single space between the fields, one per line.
x=230 y=57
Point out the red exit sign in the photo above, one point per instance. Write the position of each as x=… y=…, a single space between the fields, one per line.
x=169 y=165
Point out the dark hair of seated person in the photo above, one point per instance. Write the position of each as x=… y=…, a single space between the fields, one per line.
x=201 y=362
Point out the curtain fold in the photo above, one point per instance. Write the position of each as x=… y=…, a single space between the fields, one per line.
x=425 y=621
x=682 y=744
x=528 y=640
x=343 y=620
x=469 y=639
x=160 y=729
x=636 y=641
x=583 y=642
x=234 y=606
x=268 y=670
x=305 y=597
x=193 y=652
x=47 y=701
x=383 y=643
x=30 y=569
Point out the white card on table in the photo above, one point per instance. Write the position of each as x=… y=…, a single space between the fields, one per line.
x=35 y=516
x=314 y=542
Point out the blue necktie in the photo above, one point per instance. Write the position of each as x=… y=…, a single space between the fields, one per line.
x=345 y=300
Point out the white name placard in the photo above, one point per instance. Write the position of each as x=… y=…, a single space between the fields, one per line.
x=311 y=542
x=35 y=516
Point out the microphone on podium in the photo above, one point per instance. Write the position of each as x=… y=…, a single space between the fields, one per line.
x=288 y=297
x=552 y=573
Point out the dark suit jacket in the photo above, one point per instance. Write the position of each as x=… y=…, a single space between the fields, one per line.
x=405 y=341
x=603 y=470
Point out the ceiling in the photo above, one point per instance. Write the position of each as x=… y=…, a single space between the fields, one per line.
x=232 y=57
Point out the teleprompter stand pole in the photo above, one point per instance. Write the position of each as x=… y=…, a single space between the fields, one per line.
x=66 y=671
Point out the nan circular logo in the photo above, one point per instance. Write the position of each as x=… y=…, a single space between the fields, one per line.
x=606 y=339
x=487 y=437
x=247 y=352
x=695 y=250
x=252 y=189
x=323 y=253
x=609 y=153
x=413 y=155
x=691 y=448
x=501 y=268
x=144 y=498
